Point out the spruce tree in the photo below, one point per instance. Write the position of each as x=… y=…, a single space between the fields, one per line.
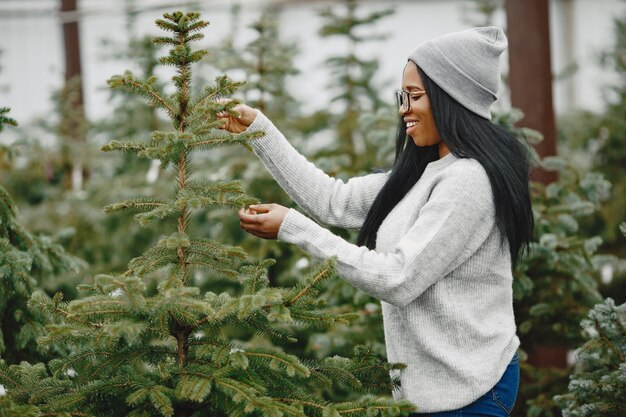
x=267 y=63
x=362 y=126
x=610 y=137
x=27 y=263
x=106 y=242
x=597 y=386
x=139 y=354
x=556 y=282
x=355 y=90
x=480 y=12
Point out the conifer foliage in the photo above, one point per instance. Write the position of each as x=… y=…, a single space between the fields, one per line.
x=25 y=261
x=4 y=119
x=598 y=387
x=134 y=354
x=352 y=80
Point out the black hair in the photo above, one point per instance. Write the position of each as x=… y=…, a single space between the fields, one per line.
x=505 y=159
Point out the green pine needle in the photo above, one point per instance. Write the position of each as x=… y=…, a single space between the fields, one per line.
x=141 y=204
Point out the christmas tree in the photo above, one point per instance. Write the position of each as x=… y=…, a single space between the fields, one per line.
x=555 y=283
x=106 y=242
x=356 y=92
x=597 y=386
x=27 y=263
x=361 y=124
x=611 y=138
x=267 y=62
x=480 y=12
x=139 y=354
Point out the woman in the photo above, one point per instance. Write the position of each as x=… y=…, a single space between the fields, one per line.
x=439 y=233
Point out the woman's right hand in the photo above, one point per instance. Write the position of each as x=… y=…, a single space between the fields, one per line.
x=240 y=123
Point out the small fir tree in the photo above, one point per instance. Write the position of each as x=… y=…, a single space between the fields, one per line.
x=555 y=283
x=610 y=158
x=353 y=81
x=106 y=242
x=71 y=130
x=597 y=386
x=37 y=185
x=137 y=354
x=362 y=127
x=480 y=12
x=27 y=263
x=267 y=62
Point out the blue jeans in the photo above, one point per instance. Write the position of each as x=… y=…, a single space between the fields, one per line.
x=497 y=402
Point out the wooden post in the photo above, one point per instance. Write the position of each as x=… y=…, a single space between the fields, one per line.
x=530 y=79
x=530 y=73
x=72 y=44
x=73 y=123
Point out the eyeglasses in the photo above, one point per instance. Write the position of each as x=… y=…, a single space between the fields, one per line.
x=403 y=99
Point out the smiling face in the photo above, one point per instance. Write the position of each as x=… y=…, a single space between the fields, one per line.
x=419 y=118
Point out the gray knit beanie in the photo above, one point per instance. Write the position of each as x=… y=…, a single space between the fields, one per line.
x=465 y=65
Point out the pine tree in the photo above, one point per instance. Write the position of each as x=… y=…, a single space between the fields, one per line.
x=267 y=63
x=361 y=125
x=610 y=135
x=71 y=129
x=356 y=93
x=27 y=262
x=105 y=241
x=555 y=283
x=480 y=12
x=559 y=261
x=597 y=386
x=168 y=353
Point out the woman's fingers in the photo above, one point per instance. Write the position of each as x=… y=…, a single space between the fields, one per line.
x=253 y=225
x=248 y=217
x=231 y=124
x=244 y=116
x=262 y=208
x=262 y=220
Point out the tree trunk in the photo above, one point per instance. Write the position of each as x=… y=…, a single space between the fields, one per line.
x=73 y=121
x=530 y=73
x=530 y=79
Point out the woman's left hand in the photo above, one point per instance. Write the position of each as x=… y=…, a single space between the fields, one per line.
x=263 y=220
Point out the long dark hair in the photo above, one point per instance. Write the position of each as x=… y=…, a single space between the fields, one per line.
x=467 y=135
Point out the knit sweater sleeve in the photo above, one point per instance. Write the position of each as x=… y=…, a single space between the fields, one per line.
x=329 y=200
x=450 y=227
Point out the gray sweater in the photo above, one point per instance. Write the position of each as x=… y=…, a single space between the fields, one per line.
x=443 y=278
